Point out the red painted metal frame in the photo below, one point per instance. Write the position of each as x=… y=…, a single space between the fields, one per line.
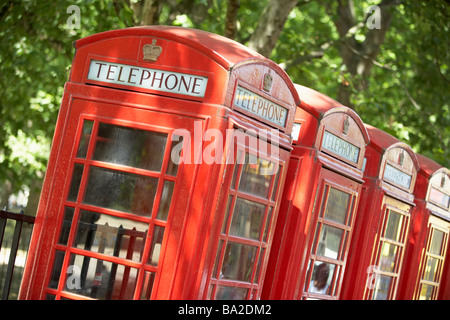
x=308 y=166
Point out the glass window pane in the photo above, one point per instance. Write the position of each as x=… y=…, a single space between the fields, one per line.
x=56 y=272
x=236 y=163
x=130 y=147
x=337 y=205
x=275 y=185
x=329 y=242
x=247 y=219
x=76 y=180
x=227 y=213
x=231 y=293
x=67 y=224
x=216 y=263
x=394 y=226
x=431 y=269
x=382 y=287
x=166 y=200
x=258 y=267
x=175 y=155
x=388 y=257
x=155 y=249
x=426 y=292
x=84 y=139
x=100 y=279
x=111 y=235
x=321 y=278
x=121 y=191
x=147 y=287
x=238 y=261
x=268 y=223
x=256 y=176
x=436 y=242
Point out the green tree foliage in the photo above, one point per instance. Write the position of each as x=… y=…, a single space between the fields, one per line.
x=403 y=90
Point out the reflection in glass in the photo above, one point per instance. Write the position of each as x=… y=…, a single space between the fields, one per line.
x=247 y=219
x=231 y=293
x=75 y=183
x=275 y=188
x=100 y=279
x=130 y=147
x=111 y=235
x=166 y=200
x=236 y=167
x=216 y=263
x=175 y=158
x=120 y=191
x=382 y=287
x=329 y=242
x=227 y=213
x=337 y=205
x=394 y=226
x=66 y=226
x=256 y=176
x=437 y=241
x=85 y=138
x=268 y=221
x=259 y=265
x=426 y=292
x=149 y=279
x=388 y=259
x=321 y=278
x=431 y=269
x=57 y=267
x=238 y=261
x=155 y=249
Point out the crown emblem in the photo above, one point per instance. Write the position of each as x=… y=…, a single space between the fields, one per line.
x=401 y=158
x=346 y=126
x=152 y=51
x=267 y=81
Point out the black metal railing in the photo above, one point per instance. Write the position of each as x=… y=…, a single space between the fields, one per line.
x=13 y=238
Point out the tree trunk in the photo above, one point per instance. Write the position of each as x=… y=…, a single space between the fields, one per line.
x=230 y=19
x=359 y=57
x=5 y=192
x=149 y=12
x=270 y=25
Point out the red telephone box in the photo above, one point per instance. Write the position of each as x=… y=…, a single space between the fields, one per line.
x=318 y=208
x=383 y=219
x=166 y=170
x=427 y=247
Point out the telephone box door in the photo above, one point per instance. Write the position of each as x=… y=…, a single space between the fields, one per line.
x=433 y=259
x=248 y=209
x=332 y=225
x=114 y=234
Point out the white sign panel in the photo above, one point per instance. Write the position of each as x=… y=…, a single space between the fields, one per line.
x=259 y=106
x=159 y=80
x=396 y=176
x=439 y=198
x=340 y=147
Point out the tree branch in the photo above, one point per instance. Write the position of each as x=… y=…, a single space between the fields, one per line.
x=230 y=19
x=270 y=25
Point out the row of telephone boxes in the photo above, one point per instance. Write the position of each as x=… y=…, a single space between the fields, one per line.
x=186 y=166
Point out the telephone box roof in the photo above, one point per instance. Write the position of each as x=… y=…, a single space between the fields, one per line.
x=382 y=141
x=221 y=49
